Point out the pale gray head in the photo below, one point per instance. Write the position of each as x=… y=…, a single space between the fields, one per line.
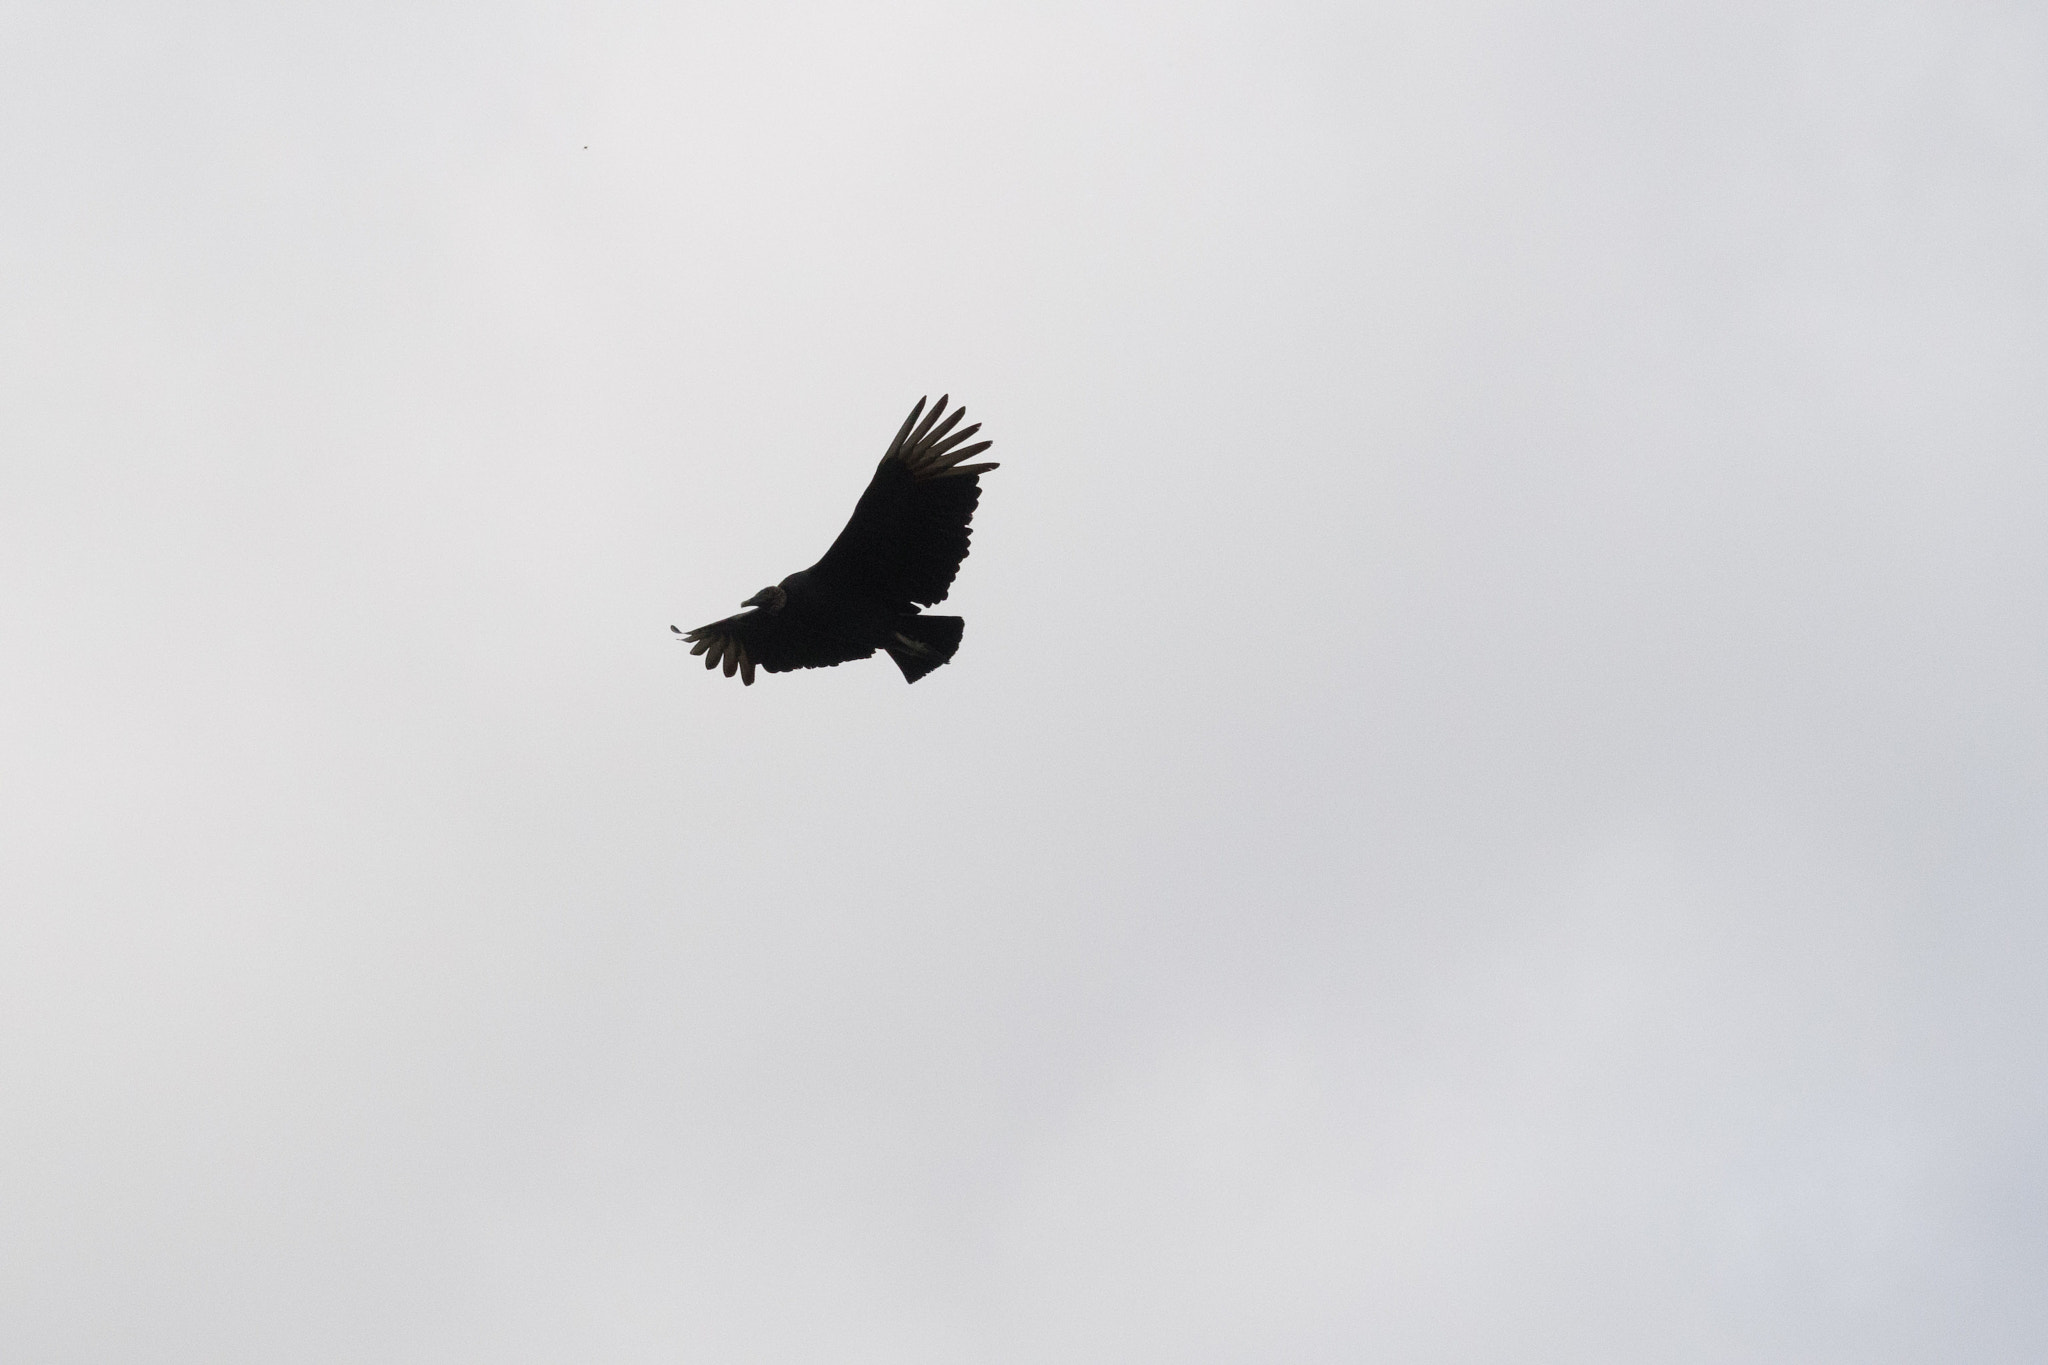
x=771 y=598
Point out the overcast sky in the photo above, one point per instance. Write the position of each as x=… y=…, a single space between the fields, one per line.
x=1494 y=803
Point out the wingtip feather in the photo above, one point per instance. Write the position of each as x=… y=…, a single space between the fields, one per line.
x=935 y=468
x=937 y=433
x=924 y=428
x=896 y=446
x=942 y=448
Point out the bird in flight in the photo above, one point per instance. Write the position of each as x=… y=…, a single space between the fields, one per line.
x=900 y=551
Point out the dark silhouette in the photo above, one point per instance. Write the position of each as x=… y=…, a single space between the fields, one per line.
x=900 y=551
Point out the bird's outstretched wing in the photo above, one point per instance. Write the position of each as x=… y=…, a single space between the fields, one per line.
x=756 y=639
x=909 y=530
x=724 y=642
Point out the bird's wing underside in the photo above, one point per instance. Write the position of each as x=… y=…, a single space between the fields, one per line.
x=753 y=639
x=724 y=642
x=909 y=531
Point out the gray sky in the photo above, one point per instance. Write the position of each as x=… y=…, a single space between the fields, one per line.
x=1494 y=805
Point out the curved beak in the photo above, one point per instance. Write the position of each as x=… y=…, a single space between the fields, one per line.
x=759 y=599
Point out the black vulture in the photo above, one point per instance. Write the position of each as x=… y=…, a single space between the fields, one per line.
x=900 y=551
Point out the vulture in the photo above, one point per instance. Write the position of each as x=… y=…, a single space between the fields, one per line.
x=899 y=552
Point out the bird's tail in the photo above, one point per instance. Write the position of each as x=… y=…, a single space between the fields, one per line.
x=920 y=644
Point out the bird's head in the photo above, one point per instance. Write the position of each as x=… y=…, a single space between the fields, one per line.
x=770 y=598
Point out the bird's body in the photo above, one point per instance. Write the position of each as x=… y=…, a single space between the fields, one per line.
x=899 y=552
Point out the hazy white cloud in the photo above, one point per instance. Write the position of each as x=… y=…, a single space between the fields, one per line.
x=1492 y=807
